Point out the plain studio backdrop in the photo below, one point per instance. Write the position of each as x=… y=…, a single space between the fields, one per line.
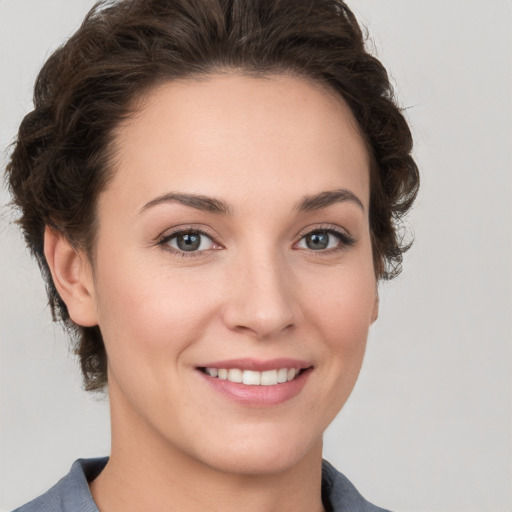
x=429 y=425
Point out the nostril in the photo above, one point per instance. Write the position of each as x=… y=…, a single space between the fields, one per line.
x=261 y=302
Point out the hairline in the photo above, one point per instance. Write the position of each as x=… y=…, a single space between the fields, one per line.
x=141 y=98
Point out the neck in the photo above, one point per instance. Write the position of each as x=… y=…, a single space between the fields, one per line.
x=146 y=472
x=121 y=487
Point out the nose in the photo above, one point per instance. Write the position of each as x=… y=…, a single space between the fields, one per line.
x=262 y=300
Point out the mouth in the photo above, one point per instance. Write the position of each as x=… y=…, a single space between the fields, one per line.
x=271 y=377
x=257 y=382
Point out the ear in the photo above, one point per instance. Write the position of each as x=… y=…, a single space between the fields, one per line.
x=72 y=276
x=375 y=311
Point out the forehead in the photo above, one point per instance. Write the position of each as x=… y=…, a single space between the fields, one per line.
x=251 y=133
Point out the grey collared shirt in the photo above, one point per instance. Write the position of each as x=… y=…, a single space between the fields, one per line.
x=71 y=493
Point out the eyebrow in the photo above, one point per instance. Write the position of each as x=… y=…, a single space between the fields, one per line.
x=213 y=205
x=328 y=198
x=204 y=203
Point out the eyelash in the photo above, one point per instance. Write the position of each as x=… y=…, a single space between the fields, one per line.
x=344 y=240
x=164 y=241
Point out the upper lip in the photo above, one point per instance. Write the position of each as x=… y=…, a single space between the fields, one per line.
x=258 y=364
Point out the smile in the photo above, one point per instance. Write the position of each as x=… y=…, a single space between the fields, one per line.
x=257 y=382
x=253 y=377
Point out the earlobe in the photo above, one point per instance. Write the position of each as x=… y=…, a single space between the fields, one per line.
x=375 y=311
x=72 y=276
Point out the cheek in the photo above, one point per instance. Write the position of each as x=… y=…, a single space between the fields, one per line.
x=346 y=304
x=343 y=313
x=148 y=315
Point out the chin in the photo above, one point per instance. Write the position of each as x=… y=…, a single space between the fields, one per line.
x=274 y=455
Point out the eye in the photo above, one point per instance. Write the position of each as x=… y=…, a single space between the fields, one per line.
x=188 y=241
x=324 y=239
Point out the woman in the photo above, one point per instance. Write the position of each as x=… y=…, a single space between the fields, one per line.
x=211 y=189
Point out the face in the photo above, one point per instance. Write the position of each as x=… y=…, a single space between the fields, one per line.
x=234 y=244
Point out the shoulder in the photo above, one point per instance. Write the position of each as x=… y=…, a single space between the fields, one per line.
x=339 y=495
x=71 y=493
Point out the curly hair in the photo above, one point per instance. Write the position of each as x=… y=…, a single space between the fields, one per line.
x=61 y=159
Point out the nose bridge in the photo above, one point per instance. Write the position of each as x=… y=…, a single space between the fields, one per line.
x=262 y=301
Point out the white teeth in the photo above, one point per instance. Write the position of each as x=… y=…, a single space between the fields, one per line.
x=251 y=378
x=282 y=375
x=212 y=372
x=235 y=375
x=254 y=378
x=269 y=378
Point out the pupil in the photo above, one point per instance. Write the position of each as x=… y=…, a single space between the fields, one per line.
x=189 y=242
x=317 y=240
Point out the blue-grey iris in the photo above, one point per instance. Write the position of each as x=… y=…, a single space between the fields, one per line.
x=317 y=240
x=188 y=241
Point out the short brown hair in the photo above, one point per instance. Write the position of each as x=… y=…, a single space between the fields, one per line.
x=60 y=160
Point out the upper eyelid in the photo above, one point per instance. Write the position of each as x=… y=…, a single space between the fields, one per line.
x=168 y=234
x=163 y=241
x=345 y=240
x=172 y=232
x=323 y=227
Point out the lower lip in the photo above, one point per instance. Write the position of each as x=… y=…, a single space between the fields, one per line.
x=259 y=396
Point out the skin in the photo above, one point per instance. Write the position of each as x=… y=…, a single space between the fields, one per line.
x=261 y=146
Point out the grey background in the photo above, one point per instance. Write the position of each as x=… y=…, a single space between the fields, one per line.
x=429 y=425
